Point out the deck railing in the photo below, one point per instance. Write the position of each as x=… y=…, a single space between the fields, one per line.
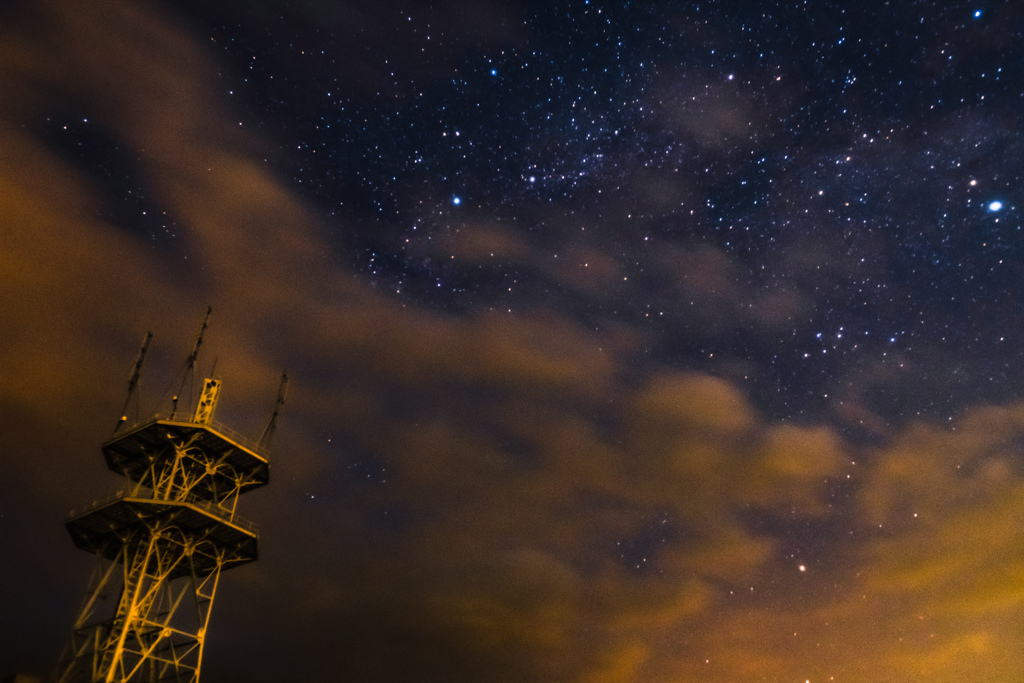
x=222 y=429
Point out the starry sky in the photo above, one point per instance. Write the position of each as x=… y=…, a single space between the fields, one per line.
x=628 y=342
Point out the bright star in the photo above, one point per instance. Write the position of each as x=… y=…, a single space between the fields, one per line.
x=977 y=14
x=456 y=200
x=995 y=206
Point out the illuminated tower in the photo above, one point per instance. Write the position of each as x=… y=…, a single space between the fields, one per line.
x=162 y=542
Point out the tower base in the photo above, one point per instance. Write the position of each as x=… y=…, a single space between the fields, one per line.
x=146 y=613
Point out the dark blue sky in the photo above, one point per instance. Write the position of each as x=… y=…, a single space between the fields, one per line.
x=870 y=140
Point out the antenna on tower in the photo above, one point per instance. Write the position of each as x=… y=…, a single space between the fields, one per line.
x=268 y=432
x=190 y=364
x=133 y=383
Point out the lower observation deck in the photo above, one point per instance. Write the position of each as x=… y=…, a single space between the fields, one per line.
x=106 y=527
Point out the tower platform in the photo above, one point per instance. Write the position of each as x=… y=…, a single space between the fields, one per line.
x=220 y=462
x=212 y=540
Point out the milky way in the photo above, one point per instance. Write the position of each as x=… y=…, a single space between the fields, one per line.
x=843 y=158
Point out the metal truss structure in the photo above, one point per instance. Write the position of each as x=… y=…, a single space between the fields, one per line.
x=161 y=545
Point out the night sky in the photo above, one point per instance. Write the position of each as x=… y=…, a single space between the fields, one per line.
x=645 y=342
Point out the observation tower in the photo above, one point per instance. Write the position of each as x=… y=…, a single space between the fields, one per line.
x=162 y=541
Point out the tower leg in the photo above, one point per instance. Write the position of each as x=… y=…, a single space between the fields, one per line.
x=157 y=630
x=81 y=656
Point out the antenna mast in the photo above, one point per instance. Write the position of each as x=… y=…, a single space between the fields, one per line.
x=190 y=364
x=268 y=432
x=133 y=382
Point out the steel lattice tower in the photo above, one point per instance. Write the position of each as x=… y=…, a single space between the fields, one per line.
x=162 y=542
